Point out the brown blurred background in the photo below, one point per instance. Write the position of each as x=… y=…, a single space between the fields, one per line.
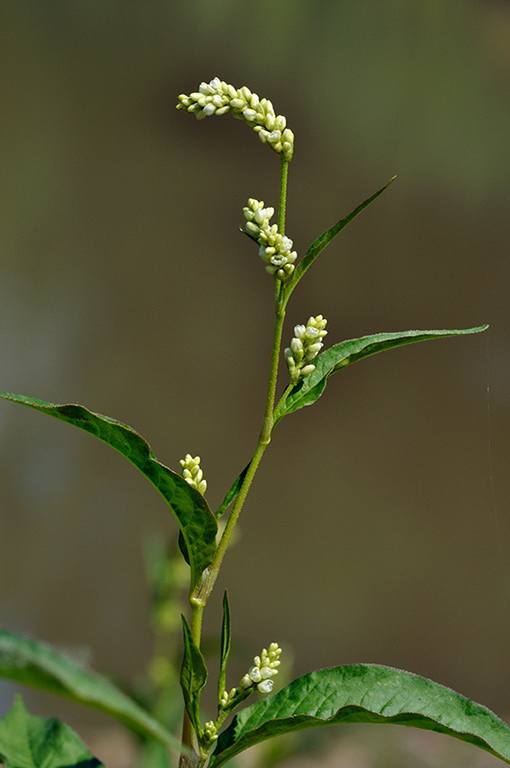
x=378 y=526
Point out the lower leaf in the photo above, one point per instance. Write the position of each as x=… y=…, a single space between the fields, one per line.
x=36 y=664
x=27 y=741
x=364 y=693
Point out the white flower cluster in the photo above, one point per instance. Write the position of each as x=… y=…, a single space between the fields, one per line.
x=192 y=473
x=275 y=249
x=304 y=347
x=218 y=97
x=259 y=676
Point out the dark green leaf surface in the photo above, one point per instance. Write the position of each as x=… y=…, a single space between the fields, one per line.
x=36 y=664
x=197 y=522
x=193 y=675
x=311 y=388
x=364 y=693
x=318 y=246
x=225 y=644
x=35 y=742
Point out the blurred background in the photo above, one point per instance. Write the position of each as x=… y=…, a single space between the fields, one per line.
x=378 y=528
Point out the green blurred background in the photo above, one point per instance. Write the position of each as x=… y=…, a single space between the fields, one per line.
x=377 y=529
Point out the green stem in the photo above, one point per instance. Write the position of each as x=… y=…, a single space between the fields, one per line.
x=201 y=593
x=204 y=589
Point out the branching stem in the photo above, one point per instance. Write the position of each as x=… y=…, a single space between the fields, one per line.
x=201 y=593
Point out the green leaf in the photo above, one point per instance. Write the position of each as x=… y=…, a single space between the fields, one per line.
x=36 y=664
x=35 y=742
x=193 y=676
x=231 y=495
x=311 y=388
x=364 y=693
x=225 y=645
x=318 y=246
x=197 y=522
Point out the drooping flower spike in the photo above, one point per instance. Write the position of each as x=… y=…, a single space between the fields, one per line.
x=218 y=97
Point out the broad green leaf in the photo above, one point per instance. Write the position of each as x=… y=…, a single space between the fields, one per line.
x=197 y=522
x=36 y=664
x=234 y=490
x=35 y=742
x=364 y=693
x=225 y=644
x=193 y=676
x=318 y=246
x=311 y=388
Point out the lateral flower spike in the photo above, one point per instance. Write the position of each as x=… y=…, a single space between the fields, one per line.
x=264 y=668
x=275 y=249
x=192 y=473
x=304 y=347
x=218 y=97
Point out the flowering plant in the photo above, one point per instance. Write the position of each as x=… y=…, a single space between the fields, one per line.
x=344 y=694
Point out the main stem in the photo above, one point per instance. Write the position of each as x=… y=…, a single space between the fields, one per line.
x=201 y=593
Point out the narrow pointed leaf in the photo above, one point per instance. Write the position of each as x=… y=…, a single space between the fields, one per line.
x=234 y=490
x=193 y=676
x=27 y=741
x=196 y=521
x=311 y=388
x=364 y=693
x=36 y=664
x=318 y=246
x=225 y=644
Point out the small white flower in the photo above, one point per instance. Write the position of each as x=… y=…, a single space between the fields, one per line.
x=266 y=686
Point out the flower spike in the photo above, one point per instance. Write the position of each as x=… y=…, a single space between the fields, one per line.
x=304 y=347
x=274 y=249
x=192 y=473
x=218 y=97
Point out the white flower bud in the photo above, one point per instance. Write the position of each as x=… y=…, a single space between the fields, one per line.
x=192 y=473
x=266 y=686
x=255 y=675
x=267 y=672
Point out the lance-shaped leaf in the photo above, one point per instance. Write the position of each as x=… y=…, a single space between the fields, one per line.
x=193 y=676
x=197 y=522
x=364 y=693
x=33 y=663
x=318 y=245
x=308 y=390
x=232 y=493
x=224 y=646
x=33 y=742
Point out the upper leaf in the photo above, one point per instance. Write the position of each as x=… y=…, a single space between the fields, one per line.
x=318 y=245
x=193 y=675
x=197 y=523
x=36 y=664
x=226 y=634
x=364 y=693
x=232 y=493
x=311 y=388
x=35 y=742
